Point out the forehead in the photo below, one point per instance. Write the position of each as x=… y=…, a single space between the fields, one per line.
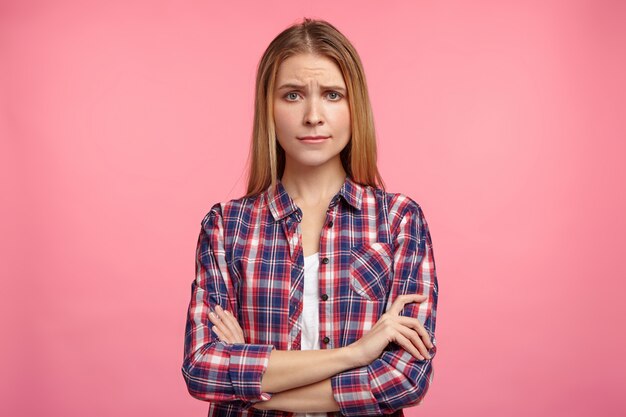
x=303 y=67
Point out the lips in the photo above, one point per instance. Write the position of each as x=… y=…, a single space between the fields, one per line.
x=313 y=139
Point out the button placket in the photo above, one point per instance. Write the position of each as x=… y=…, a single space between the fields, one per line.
x=293 y=232
x=325 y=287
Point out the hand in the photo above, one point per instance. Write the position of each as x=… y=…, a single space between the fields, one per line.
x=407 y=332
x=225 y=326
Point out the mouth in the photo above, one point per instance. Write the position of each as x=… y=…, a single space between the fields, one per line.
x=313 y=139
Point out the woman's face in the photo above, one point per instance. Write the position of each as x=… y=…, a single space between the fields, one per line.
x=310 y=100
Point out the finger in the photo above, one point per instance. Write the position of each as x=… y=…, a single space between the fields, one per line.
x=401 y=300
x=234 y=327
x=220 y=336
x=215 y=319
x=229 y=320
x=416 y=325
x=239 y=329
x=219 y=323
x=405 y=343
x=413 y=336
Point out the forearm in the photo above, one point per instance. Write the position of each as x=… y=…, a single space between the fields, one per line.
x=316 y=397
x=288 y=369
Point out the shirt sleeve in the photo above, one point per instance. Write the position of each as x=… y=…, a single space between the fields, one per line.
x=397 y=379
x=213 y=370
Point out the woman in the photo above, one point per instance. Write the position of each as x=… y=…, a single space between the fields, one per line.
x=316 y=292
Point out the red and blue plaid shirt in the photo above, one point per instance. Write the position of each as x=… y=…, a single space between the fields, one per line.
x=374 y=245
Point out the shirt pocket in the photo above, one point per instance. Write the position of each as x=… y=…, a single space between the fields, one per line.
x=370 y=269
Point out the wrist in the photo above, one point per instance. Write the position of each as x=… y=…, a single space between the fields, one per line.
x=266 y=405
x=353 y=357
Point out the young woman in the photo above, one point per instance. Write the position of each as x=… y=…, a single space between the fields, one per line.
x=315 y=292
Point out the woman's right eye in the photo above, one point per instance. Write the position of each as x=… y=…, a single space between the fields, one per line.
x=291 y=96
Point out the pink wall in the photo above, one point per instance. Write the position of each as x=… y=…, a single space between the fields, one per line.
x=121 y=124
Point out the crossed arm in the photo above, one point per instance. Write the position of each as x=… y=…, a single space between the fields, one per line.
x=365 y=377
x=301 y=380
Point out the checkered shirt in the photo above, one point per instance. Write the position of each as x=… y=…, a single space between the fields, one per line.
x=374 y=245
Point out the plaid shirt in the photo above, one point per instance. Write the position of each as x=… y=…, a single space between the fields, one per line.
x=374 y=245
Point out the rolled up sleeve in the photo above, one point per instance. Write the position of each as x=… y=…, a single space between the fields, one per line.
x=213 y=370
x=397 y=379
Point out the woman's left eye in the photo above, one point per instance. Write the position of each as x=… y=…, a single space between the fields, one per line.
x=335 y=95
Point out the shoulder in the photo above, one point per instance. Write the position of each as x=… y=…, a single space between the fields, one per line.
x=405 y=217
x=401 y=206
x=232 y=209
x=397 y=202
x=398 y=205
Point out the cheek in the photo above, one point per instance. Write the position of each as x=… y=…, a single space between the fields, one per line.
x=343 y=118
x=283 y=117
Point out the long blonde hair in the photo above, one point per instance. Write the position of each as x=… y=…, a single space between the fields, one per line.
x=267 y=158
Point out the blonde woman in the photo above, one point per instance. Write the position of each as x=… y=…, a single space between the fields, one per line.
x=315 y=292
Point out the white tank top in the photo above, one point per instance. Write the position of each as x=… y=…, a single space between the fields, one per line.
x=310 y=311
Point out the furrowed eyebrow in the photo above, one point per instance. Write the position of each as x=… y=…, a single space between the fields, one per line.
x=302 y=87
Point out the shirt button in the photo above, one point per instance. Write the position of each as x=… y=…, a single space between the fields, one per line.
x=325 y=339
x=324 y=297
x=325 y=260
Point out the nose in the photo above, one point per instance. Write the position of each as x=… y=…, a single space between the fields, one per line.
x=313 y=113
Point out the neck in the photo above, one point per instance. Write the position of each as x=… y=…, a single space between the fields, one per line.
x=313 y=185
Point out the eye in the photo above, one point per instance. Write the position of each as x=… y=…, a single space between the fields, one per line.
x=292 y=96
x=333 y=95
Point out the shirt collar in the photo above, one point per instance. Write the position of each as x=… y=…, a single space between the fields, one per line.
x=281 y=205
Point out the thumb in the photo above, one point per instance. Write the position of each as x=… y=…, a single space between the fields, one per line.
x=403 y=299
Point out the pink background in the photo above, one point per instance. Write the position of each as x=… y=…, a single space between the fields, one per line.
x=123 y=122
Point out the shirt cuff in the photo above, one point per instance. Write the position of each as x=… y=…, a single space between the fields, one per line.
x=352 y=392
x=248 y=363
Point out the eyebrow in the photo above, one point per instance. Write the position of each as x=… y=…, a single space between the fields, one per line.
x=302 y=87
